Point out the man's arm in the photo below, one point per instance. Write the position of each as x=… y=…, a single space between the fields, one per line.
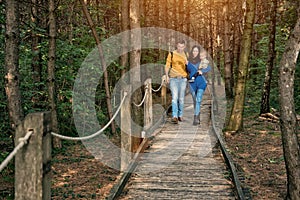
x=168 y=66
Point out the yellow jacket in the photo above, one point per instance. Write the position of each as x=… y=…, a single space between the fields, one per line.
x=178 y=64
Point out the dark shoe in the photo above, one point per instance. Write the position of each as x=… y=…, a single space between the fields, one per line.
x=180 y=119
x=174 y=120
x=198 y=117
x=196 y=121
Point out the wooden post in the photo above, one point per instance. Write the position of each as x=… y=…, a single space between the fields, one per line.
x=32 y=162
x=126 y=131
x=164 y=92
x=148 y=116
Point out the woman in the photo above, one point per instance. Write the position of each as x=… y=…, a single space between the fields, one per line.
x=197 y=67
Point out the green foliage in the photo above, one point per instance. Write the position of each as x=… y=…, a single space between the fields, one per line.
x=258 y=66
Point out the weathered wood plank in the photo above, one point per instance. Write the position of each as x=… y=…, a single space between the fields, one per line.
x=181 y=163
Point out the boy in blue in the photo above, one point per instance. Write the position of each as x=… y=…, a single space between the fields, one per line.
x=197 y=66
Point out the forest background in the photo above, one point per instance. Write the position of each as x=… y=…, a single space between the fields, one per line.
x=218 y=25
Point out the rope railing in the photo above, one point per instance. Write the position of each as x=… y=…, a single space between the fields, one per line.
x=162 y=83
x=146 y=92
x=144 y=98
x=114 y=116
x=96 y=133
x=22 y=142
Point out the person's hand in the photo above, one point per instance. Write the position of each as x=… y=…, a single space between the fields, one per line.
x=167 y=79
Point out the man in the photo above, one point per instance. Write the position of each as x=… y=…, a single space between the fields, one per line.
x=176 y=75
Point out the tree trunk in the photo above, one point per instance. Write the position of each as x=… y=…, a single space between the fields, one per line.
x=265 y=100
x=103 y=64
x=181 y=16
x=162 y=23
x=135 y=57
x=174 y=16
x=211 y=30
x=51 y=72
x=35 y=44
x=188 y=18
x=125 y=37
x=236 y=117
x=228 y=63
x=218 y=48
x=70 y=21
x=12 y=76
x=288 y=122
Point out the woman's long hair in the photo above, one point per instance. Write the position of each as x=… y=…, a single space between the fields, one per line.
x=197 y=58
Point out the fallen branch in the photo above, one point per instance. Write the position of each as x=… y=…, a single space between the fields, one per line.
x=269 y=115
x=268 y=119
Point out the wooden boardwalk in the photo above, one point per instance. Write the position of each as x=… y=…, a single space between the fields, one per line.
x=182 y=162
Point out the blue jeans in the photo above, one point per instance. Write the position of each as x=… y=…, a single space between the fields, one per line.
x=177 y=86
x=197 y=98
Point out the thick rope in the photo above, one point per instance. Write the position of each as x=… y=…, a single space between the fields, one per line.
x=94 y=134
x=139 y=105
x=22 y=142
x=162 y=83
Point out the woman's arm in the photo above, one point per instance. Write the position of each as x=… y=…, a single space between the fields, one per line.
x=205 y=70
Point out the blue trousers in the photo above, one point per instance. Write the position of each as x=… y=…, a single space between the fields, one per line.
x=177 y=87
x=197 y=98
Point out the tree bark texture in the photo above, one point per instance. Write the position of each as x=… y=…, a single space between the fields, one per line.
x=125 y=37
x=236 y=117
x=288 y=122
x=12 y=76
x=135 y=59
x=265 y=100
x=227 y=61
x=51 y=72
x=35 y=45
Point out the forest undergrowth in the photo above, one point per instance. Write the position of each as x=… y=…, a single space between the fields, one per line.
x=257 y=150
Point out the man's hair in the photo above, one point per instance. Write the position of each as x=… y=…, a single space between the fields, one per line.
x=180 y=41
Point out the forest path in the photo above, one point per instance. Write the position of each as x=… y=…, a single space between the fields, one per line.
x=182 y=162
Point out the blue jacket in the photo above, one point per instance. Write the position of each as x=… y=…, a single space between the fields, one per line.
x=200 y=81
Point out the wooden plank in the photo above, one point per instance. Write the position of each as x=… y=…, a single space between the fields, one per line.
x=181 y=163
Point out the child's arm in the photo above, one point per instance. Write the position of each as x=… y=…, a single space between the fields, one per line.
x=205 y=70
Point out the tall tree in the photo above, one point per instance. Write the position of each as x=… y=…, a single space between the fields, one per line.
x=227 y=58
x=35 y=44
x=288 y=122
x=103 y=63
x=188 y=17
x=12 y=77
x=237 y=32
x=51 y=71
x=135 y=61
x=265 y=100
x=218 y=46
x=162 y=23
x=181 y=16
x=125 y=36
x=236 y=117
x=70 y=16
